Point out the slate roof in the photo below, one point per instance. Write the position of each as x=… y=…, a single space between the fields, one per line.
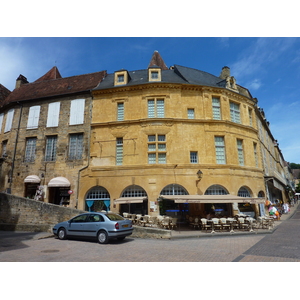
x=177 y=74
x=52 y=84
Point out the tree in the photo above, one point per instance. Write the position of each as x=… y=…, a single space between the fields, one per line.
x=294 y=166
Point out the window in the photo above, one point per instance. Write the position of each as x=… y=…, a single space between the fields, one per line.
x=76 y=146
x=1 y=121
x=191 y=113
x=30 y=149
x=240 y=152
x=51 y=143
x=134 y=191
x=216 y=190
x=120 y=111
x=255 y=154
x=250 y=117
x=53 y=114
x=193 y=157
x=235 y=112
x=157 y=149
x=174 y=189
x=154 y=75
x=220 y=150
x=156 y=108
x=216 y=107
x=9 y=119
x=33 y=117
x=119 y=151
x=120 y=78
x=77 y=111
x=244 y=192
x=4 y=147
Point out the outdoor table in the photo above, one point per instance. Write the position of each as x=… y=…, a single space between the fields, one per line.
x=212 y=226
x=231 y=220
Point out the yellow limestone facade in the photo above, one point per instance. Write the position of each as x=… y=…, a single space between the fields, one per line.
x=133 y=148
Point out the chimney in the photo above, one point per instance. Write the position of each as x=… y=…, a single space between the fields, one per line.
x=225 y=72
x=21 y=80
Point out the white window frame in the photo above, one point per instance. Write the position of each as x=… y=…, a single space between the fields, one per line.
x=9 y=120
x=216 y=108
x=156 y=108
x=119 y=151
x=157 y=149
x=120 y=111
x=193 y=157
x=30 y=149
x=33 y=117
x=235 y=113
x=51 y=145
x=76 y=146
x=240 y=150
x=220 y=150
x=77 y=111
x=191 y=113
x=53 y=114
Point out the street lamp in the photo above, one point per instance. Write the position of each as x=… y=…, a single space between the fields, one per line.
x=200 y=175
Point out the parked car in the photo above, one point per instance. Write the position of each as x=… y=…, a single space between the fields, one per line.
x=103 y=226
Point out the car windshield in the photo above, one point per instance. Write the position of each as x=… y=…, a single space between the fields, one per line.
x=114 y=217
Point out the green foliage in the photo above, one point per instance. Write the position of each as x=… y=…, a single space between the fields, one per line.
x=294 y=166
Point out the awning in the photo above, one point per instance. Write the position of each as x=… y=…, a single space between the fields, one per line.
x=59 y=182
x=212 y=199
x=124 y=200
x=32 y=179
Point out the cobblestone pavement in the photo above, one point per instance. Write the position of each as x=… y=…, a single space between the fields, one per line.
x=283 y=245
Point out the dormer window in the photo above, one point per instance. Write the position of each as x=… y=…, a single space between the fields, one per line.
x=154 y=74
x=121 y=77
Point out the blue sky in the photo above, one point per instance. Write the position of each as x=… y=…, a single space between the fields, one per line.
x=268 y=67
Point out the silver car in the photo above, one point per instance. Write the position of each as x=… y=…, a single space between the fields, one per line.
x=103 y=226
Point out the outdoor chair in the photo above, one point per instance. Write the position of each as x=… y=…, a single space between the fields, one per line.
x=195 y=223
x=205 y=225
x=243 y=224
x=224 y=224
x=217 y=224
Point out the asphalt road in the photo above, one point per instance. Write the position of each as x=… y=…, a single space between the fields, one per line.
x=283 y=245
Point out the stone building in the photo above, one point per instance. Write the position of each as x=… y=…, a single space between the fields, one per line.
x=45 y=136
x=160 y=140
x=175 y=141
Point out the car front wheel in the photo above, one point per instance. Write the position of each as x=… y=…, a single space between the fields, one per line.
x=61 y=234
x=102 y=237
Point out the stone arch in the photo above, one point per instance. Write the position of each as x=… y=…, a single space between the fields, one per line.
x=97 y=199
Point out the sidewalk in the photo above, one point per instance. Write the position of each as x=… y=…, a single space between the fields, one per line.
x=196 y=233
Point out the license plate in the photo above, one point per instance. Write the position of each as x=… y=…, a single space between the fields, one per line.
x=126 y=225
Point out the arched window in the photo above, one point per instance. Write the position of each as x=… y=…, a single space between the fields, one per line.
x=134 y=191
x=244 y=192
x=97 y=199
x=216 y=190
x=261 y=194
x=174 y=189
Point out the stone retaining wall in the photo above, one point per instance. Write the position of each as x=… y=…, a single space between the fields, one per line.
x=17 y=213
x=21 y=214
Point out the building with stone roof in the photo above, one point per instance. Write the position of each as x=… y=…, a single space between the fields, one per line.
x=45 y=136
x=161 y=140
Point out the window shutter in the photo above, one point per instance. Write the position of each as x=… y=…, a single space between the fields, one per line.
x=33 y=117
x=77 y=111
x=9 y=119
x=53 y=114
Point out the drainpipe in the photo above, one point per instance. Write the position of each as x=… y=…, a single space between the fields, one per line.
x=15 y=148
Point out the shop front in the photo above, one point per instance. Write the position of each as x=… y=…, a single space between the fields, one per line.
x=59 y=188
x=214 y=205
x=32 y=187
